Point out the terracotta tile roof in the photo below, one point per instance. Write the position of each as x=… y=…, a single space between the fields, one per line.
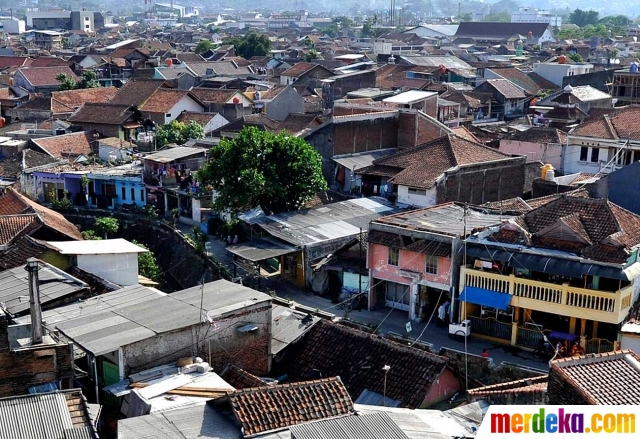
x=273 y=92
x=163 y=100
x=593 y=228
x=259 y=120
x=240 y=378
x=97 y=285
x=12 y=61
x=98 y=113
x=188 y=57
x=54 y=220
x=516 y=205
x=62 y=101
x=518 y=77
x=337 y=350
x=294 y=123
x=21 y=249
x=442 y=154
x=12 y=203
x=42 y=76
x=541 y=82
x=214 y=94
x=48 y=61
x=12 y=226
x=66 y=146
x=619 y=123
x=201 y=118
x=611 y=378
x=506 y=88
x=299 y=69
x=541 y=135
x=137 y=90
x=13 y=165
x=263 y=409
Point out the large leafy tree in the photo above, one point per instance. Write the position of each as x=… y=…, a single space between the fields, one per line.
x=583 y=18
x=204 y=46
x=252 y=44
x=178 y=132
x=88 y=79
x=258 y=168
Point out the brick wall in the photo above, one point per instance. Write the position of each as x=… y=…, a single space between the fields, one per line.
x=484 y=182
x=249 y=351
x=427 y=129
x=366 y=135
x=21 y=369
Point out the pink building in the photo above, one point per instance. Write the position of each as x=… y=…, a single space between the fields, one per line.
x=414 y=257
x=538 y=144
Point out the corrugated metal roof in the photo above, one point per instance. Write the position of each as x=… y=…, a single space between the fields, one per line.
x=200 y=421
x=325 y=223
x=171 y=154
x=39 y=416
x=288 y=325
x=372 y=426
x=104 y=323
x=357 y=161
x=54 y=284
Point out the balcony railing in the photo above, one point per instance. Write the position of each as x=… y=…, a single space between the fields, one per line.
x=603 y=306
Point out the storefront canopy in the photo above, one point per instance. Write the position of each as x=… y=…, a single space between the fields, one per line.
x=480 y=296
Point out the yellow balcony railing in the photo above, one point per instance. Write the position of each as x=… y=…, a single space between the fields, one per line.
x=565 y=300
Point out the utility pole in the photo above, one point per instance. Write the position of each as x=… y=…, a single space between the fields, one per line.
x=359 y=270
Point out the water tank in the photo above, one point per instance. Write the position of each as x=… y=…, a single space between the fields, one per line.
x=256 y=95
x=633 y=68
x=562 y=59
x=545 y=170
x=550 y=175
x=169 y=62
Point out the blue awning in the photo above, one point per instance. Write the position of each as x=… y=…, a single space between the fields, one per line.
x=480 y=296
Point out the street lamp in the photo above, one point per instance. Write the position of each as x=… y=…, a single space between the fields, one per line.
x=32 y=267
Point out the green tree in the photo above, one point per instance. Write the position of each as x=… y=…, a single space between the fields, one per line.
x=66 y=43
x=583 y=18
x=90 y=235
x=66 y=82
x=308 y=57
x=575 y=57
x=148 y=264
x=276 y=172
x=88 y=79
x=107 y=225
x=612 y=21
x=367 y=27
x=465 y=16
x=204 y=46
x=595 y=30
x=178 y=132
x=252 y=44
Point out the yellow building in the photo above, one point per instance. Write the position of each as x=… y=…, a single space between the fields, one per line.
x=565 y=270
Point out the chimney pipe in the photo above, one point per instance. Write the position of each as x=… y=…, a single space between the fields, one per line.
x=33 y=265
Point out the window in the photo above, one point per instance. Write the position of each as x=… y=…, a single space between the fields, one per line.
x=584 y=153
x=142 y=195
x=414 y=191
x=168 y=115
x=86 y=18
x=133 y=194
x=431 y=266
x=397 y=294
x=595 y=152
x=123 y=192
x=394 y=256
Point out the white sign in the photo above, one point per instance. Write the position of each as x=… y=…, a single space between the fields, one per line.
x=408 y=326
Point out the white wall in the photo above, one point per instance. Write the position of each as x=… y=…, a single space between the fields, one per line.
x=430 y=199
x=121 y=269
x=573 y=164
x=215 y=123
x=549 y=153
x=186 y=103
x=630 y=341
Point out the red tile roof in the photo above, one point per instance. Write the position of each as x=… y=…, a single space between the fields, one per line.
x=68 y=146
x=618 y=123
x=214 y=94
x=53 y=220
x=262 y=409
x=163 y=100
x=240 y=378
x=67 y=101
x=12 y=203
x=137 y=90
x=12 y=61
x=519 y=78
x=201 y=118
x=42 y=76
x=337 y=350
x=593 y=228
x=611 y=378
x=506 y=88
x=299 y=69
x=12 y=226
x=442 y=154
x=48 y=61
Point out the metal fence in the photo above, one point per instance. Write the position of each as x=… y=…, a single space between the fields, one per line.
x=490 y=327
